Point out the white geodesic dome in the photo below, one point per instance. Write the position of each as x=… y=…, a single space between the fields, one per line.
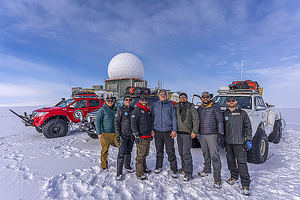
x=125 y=65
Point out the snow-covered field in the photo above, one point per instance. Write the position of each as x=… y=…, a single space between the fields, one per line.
x=33 y=167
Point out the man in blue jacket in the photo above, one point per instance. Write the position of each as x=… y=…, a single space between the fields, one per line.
x=164 y=128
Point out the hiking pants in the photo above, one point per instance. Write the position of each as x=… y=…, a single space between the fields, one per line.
x=237 y=162
x=142 y=152
x=162 y=138
x=184 y=142
x=210 y=152
x=106 y=140
x=125 y=147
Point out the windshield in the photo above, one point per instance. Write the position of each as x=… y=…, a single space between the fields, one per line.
x=65 y=103
x=243 y=102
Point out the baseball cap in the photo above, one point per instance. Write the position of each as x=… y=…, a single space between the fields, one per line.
x=143 y=97
x=205 y=94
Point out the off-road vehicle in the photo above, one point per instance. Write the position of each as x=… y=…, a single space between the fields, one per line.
x=266 y=120
x=54 y=121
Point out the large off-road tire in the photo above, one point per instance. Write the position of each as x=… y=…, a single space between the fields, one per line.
x=196 y=143
x=92 y=134
x=55 y=128
x=275 y=136
x=38 y=129
x=260 y=148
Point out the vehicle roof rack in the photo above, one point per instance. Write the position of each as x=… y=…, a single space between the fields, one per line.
x=238 y=91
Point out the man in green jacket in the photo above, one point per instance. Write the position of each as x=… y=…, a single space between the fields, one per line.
x=106 y=128
x=188 y=127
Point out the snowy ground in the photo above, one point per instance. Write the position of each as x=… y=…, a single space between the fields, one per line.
x=32 y=167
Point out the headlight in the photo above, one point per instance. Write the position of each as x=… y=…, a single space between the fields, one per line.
x=39 y=114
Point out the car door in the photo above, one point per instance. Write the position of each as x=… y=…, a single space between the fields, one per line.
x=77 y=109
x=260 y=109
x=93 y=104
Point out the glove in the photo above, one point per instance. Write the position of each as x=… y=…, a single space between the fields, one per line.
x=137 y=138
x=221 y=140
x=248 y=145
x=119 y=139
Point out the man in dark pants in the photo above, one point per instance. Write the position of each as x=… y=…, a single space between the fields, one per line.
x=188 y=127
x=164 y=129
x=210 y=128
x=141 y=124
x=238 y=140
x=123 y=128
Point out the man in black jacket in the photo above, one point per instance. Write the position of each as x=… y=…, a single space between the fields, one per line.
x=238 y=140
x=141 y=124
x=123 y=128
x=211 y=125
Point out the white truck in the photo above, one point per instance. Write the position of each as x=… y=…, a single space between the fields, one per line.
x=266 y=120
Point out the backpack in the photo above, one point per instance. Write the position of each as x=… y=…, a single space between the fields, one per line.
x=247 y=84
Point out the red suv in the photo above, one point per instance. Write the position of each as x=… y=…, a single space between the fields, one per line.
x=54 y=121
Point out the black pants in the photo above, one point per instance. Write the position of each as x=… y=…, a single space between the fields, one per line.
x=125 y=147
x=162 y=138
x=237 y=162
x=184 y=142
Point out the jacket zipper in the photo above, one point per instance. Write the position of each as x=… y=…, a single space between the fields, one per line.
x=231 y=128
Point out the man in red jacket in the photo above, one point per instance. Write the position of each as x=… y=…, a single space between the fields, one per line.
x=141 y=125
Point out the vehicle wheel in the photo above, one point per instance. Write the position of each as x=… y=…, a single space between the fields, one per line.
x=92 y=134
x=39 y=129
x=275 y=136
x=195 y=143
x=260 y=148
x=55 y=128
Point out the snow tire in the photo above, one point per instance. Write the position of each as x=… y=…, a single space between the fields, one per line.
x=55 y=128
x=259 y=152
x=275 y=136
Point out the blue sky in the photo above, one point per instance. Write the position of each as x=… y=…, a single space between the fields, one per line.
x=190 y=46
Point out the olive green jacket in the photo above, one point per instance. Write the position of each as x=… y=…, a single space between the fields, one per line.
x=191 y=122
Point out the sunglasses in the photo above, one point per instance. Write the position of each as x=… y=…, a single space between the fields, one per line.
x=183 y=97
x=144 y=100
x=109 y=101
x=230 y=100
x=205 y=97
x=162 y=94
x=127 y=99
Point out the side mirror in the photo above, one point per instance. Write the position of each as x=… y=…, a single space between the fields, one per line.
x=260 y=107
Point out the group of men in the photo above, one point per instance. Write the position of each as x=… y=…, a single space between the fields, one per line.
x=164 y=122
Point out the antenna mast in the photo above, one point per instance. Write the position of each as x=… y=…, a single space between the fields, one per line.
x=242 y=70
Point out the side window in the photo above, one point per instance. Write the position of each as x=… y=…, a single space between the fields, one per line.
x=257 y=101
x=79 y=104
x=261 y=101
x=94 y=103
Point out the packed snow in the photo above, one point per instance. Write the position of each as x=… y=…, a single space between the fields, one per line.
x=33 y=167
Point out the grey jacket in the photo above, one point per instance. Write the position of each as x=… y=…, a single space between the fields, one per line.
x=191 y=122
x=164 y=116
x=237 y=127
x=211 y=119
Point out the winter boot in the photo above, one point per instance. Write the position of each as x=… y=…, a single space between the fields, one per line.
x=217 y=184
x=231 y=181
x=127 y=163
x=246 y=190
x=157 y=171
x=203 y=174
x=174 y=174
x=187 y=177
x=143 y=177
x=181 y=171
x=120 y=163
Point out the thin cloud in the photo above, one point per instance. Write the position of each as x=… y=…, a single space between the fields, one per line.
x=289 y=58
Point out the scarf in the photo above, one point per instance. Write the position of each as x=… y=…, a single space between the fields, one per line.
x=145 y=107
x=182 y=110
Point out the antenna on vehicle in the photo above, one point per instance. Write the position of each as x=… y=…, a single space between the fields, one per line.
x=69 y=81
x=242 y=70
